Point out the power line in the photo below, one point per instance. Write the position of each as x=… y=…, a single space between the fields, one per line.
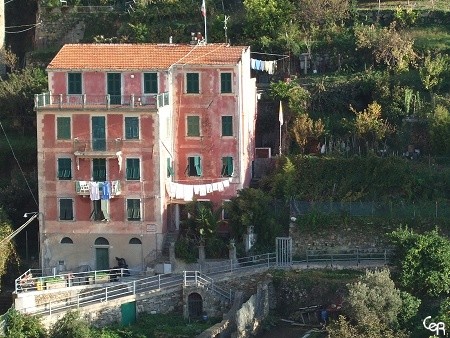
x=20 y=167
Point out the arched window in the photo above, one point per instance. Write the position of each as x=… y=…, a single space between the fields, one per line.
x=101 y=241
x=66 y=240
x=135 y=240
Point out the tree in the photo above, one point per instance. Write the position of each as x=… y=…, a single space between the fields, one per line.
x=440 y=131
x=6 y=248
x=71 y=325
x=322 y=12
x=305 y=128
x=423 y=261
x=369 y=125
x=388 y=45
x=20 y=325
x=373 y=305
x=431 y=71
x=265 y=18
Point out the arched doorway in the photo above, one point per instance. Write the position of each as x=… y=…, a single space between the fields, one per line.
x=101 y=254
x=195 y=305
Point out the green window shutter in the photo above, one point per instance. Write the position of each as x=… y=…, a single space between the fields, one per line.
x=225 y=83
x=99 y=169
x=150 y=83
x=227 y=125
x=63 y=128
x=170 y=171
x=64 y=168
x=133 y=209
x=192 y=83
x=74 y=83
x=133 y=169
x=197 y=165
x=65 y=209
x=193 y=126
x=227 y=166
x=132 y=128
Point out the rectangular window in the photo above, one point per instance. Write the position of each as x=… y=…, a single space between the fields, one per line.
x=194 y=167
x=227 y=125
x=133 y=169
x=131 y=128
x=64 y=168
x=65 y=209
x=63 y=131
x=133 y=209
x=99 y=169
x=170 y=171
x=193 y=126
x=227 y=166
x=150 y=83
x=74 y=83
x=225 y=83
x=225 y=210
x=192 y=83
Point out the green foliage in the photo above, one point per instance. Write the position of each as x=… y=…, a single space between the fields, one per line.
x=431 y=71
x=374 y=298
x=405 y=16
x=17 y=97
x=423 y=261
x=440 y=131
x=322 y=12
x=20 y=325
x=185 y=250
x=71 y=325
x=253 y=208
x=408 y=311
x=6 y=249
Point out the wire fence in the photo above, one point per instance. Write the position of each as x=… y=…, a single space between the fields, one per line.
x=395 y=210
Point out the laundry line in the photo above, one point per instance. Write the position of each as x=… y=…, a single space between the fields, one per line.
x=186 y=192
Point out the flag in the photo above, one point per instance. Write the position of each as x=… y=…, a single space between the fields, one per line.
x=203 y=9
x=280 y=115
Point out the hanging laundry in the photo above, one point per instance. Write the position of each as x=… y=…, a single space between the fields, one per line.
x=104 y=206
x=188 y=192
x=94 y=191
x=220 y=186
x=253 y=64
x=209 y=188
x=179 y=192
x=172 y=189
x=197 y=189
x=258 y=64
x=106 y=190
x=203 y=190
x=226 y=184
x=215 y=186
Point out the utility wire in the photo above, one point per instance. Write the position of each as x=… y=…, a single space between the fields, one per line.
x=17 y=161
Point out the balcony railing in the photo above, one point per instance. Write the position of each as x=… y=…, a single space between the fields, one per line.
x=83 y=188
x=82 y=146
x=85 y=101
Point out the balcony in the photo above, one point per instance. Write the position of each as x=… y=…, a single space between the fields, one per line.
x=97 y=148
x=82 y=188
x=108 y=102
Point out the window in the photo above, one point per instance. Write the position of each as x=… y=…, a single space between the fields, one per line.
x=227 y=125
x=135 y=240
x=227 y=166
x=99 y=169
x=225 y=209
x=194 y=167
x=66 y=240
x=150 y=83
x=170 y=171
x=64 y=168
x=74 y=83
x=66 y=209
x=133 y=209
x=133 y=169
x=131 y=128
x=225 y=83
x=193 y=126
x=63 y=128
x=192 y=83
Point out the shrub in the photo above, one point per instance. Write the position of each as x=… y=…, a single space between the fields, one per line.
x=20 y=325
x=71 y=325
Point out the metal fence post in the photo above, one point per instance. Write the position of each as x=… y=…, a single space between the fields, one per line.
x=106 y=294
x=159 y=281
x=134 y=287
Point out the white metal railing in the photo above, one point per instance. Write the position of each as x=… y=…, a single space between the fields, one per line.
x=120 y=288
x=82 y=101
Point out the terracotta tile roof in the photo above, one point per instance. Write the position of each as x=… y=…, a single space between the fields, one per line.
x=142 y=56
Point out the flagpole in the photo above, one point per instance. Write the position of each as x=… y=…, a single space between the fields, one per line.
x=203 y=10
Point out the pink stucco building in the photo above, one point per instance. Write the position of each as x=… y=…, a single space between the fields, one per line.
x=127 y=134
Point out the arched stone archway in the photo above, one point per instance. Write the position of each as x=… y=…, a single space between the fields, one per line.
x=195 y=305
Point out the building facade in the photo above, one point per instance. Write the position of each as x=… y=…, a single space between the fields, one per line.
x=127 y=134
